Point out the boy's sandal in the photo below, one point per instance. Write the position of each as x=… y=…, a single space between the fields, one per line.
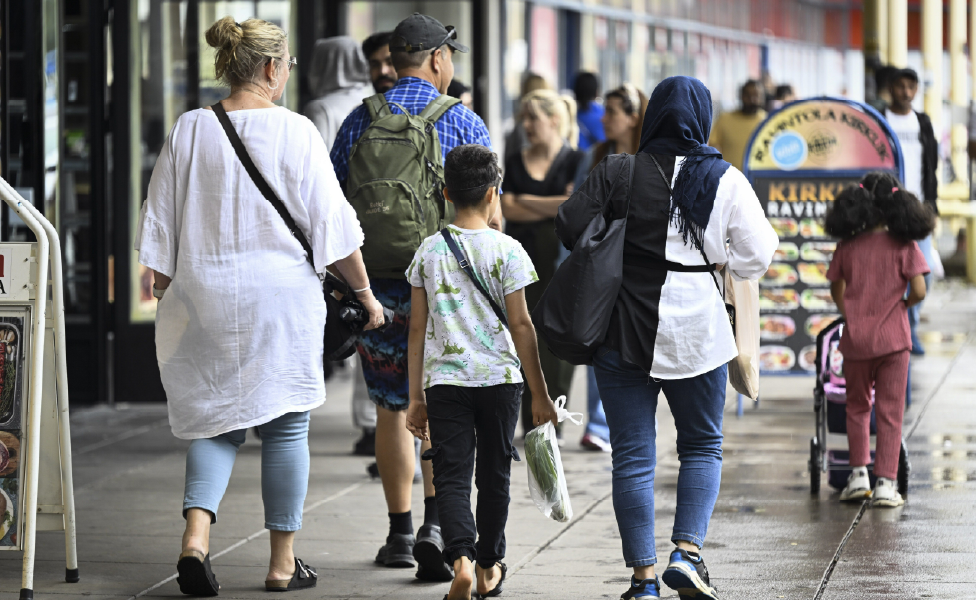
x=305 y=577
x=195 y=576
x=497 y=591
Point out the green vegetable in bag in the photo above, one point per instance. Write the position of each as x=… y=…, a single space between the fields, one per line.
x=547 y=481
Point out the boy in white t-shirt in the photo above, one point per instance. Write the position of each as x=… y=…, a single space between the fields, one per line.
x=464 y=367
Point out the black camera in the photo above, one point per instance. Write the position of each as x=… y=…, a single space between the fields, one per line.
x=357 y=317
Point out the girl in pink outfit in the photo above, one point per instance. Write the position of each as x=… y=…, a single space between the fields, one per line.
x=875 y=261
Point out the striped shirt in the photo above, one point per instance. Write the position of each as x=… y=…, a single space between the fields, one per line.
x=457 y=127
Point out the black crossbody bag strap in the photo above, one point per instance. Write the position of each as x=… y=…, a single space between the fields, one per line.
x=466 y=267
x=700 y=249
x=258 y=179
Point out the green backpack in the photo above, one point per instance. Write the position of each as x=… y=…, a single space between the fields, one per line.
x=396 y=182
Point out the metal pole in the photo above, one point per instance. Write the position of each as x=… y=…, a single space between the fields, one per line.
x=932 y=59
x=61 y=372
x=898 y=33
x=957 y=56
x=38 y=316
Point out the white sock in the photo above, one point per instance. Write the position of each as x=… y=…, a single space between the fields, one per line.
x=860 y=471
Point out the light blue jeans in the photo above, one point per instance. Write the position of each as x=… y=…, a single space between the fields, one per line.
x=284 y=470
x=630 y=401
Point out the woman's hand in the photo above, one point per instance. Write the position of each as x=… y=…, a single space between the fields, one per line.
x=543 y=409
x=375 y=309
x=417 y=418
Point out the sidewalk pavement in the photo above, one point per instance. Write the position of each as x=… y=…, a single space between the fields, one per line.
x=769 y=537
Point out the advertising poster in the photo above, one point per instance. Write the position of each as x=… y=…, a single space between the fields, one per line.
x=11 y=367
x=9 y=487
x=799 y=159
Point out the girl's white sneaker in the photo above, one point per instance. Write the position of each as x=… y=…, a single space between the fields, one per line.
x=886 y=494
x=858 y=486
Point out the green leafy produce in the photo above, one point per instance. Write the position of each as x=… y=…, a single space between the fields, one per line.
x=546 y=480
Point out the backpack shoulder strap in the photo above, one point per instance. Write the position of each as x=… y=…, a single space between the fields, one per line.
x=259 y=180
x=438 y=106
x=466 y=267
x=377 y=107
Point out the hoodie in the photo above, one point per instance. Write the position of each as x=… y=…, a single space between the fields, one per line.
x=339 y=78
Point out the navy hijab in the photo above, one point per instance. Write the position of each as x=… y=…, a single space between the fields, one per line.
x=677 y=122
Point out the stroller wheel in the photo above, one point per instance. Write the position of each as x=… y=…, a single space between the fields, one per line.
x=815 y=466
x=904 y=468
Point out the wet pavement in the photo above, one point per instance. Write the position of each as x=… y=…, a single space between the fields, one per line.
x=769 y=537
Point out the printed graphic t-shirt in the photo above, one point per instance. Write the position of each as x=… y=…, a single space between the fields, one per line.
x=907 y=129
x=466 y=344
x=877 y=269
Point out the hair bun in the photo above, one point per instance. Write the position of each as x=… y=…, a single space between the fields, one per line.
x=225 y=34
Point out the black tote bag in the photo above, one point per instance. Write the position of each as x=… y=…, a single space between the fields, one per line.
x=573 y=315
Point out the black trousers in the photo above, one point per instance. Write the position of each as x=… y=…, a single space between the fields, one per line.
x=472 y=429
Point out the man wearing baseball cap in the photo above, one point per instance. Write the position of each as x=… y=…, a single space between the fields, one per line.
x=421 y=49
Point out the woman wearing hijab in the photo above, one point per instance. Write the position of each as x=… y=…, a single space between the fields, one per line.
x=339 y=78
x=669 y=330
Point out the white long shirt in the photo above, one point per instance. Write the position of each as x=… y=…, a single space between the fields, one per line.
x=239 y=330
x=694 y=335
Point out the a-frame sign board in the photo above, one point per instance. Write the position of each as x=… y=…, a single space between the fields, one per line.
x=36 y=492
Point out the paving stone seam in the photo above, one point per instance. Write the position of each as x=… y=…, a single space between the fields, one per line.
x=256 y=535
x=525 y=560
x=120 y=438
x=864 y=505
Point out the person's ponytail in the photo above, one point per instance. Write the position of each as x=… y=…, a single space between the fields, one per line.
x=571 y=133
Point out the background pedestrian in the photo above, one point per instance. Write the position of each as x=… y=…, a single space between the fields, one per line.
x=878 y=222
x=339 y=78
x=733 y=130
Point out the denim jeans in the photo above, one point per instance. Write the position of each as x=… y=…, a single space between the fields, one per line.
x=630 y=401
x=284 y=470
x=596 y=422
x=472 y=429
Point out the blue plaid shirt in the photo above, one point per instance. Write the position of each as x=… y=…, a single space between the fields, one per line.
x=457 y=127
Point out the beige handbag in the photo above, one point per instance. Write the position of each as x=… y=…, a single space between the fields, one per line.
x=744 y=369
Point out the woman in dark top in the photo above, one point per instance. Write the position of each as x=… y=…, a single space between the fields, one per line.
x=669 y=330
x=537 y=181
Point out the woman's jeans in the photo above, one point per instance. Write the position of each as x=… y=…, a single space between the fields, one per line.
x=596 y=423
x=284 y=470
x=630 y=401
x=471 y=429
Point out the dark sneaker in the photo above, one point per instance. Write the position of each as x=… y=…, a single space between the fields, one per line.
x=648 y=588
x=397 y=553
x=429 y=554
x=688 y=576
x=366 y=446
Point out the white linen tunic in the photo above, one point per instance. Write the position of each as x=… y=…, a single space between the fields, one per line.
x=694 y=335
x=239 y=331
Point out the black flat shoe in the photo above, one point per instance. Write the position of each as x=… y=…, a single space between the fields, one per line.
x=497 y=591
x=429 y=554
x=305 y=577
x=196 y=578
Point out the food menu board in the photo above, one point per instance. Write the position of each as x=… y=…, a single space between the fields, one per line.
x=794 y=294
x=799 y=159
x=11 y=409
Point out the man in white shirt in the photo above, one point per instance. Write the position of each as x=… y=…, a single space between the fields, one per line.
x=920 y=151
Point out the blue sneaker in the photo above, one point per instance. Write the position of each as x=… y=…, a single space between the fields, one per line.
x=647 y=588
x=688 y=576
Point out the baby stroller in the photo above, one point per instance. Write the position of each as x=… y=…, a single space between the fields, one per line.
x=830 y=406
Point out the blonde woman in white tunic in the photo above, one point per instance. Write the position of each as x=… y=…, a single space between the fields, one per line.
x=239 y=328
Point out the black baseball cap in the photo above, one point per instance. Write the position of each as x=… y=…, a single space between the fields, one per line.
x=420 y=32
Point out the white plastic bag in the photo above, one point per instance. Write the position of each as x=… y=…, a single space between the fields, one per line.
x=547 y=481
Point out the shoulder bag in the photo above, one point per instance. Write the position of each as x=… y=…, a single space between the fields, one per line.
x=466 y=267
x=741 y=301
x=340 y=334
x=573 y=315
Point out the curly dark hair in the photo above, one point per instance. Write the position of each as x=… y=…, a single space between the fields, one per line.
x=879 y=200
x=470 y=171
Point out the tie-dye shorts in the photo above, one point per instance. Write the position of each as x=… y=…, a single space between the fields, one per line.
x=384 y=353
